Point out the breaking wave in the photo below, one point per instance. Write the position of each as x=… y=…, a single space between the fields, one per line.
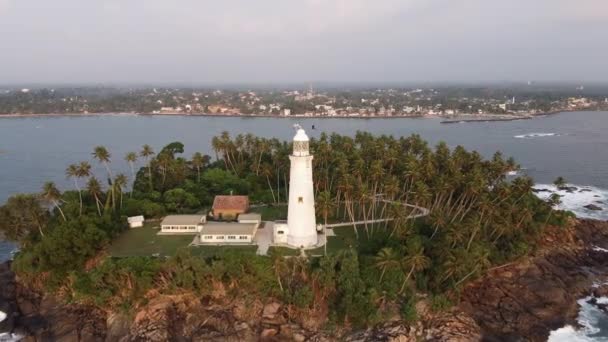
x=535 y=135
x=8 y=337
x=584 y=201
x=590 y=318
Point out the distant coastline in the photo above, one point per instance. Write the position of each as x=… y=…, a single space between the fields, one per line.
x=448 y=119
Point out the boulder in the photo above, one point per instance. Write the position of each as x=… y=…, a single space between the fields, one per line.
x=601 y=291
x=271 y=310
x=268 y=333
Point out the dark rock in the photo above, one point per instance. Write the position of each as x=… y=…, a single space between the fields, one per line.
x=569 y=189
x=593 y=207
x=540 y=190
x=601 y=291
x=526 y=300
x=585 y=190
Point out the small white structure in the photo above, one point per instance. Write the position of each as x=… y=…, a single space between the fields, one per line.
x=227 y=233
x=182 y=224
x=251 y=218
x=301 y=219
x=280 y=232
x=136 y=221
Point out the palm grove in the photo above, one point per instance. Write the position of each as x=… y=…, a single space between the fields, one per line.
x=478 y=219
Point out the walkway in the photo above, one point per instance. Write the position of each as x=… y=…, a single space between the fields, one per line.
x=421 y=212
x=263 y=238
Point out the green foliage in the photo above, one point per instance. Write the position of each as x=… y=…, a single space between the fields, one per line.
x=408 y=310
x=177 y=200
x=116 y=282
x=22 y=219
x=67 y=246
x=440 y=303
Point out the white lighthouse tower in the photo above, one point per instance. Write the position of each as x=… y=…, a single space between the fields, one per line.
x=301 y=220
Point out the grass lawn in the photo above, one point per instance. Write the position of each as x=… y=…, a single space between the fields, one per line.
x=272 y=213
x=144 y=242
x=334 y=245
x=283 y=250
x=214 y=251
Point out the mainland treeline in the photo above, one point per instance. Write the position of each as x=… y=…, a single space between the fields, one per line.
x=478 y=219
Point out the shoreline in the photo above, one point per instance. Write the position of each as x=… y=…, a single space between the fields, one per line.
x=447 y=119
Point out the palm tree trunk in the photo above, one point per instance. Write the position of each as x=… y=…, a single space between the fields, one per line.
x=271 y=190
x=60 y=211
x=406 y=279
x=79 y=196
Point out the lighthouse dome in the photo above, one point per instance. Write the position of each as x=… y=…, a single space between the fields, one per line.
x=300 y=136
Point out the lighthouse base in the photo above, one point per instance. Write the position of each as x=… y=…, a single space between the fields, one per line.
x=302 y=241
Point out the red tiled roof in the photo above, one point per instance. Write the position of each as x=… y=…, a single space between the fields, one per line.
x=231 y=203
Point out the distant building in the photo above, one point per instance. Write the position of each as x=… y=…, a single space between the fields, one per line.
x=229 y=207
x=136 y=221
x=227 y=232
x=286 y=112
x=182 y=224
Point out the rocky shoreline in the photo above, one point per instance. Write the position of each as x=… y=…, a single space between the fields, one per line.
x=524 y=300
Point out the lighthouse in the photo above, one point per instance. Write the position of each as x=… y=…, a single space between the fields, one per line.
x=301 y=222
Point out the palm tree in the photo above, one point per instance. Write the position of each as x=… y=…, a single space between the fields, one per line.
x=325 y=204
x=72 y=172
x=131 y=158
x=52 y=195
x=77 y=171
x=415 y=262
x=148 y=152
x=198 y=160
x=386 y=259
x=103 y=156
x=120 y=182
x=94 y=188
x=267 y=172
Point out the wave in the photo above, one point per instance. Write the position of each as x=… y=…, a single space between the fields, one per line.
x=8 y=337
x=581 y=200
x=590 y=318
x=535 y=135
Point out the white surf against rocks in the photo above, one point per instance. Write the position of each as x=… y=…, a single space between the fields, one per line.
x=589 y=319
x=535 y=135
x=584 y=201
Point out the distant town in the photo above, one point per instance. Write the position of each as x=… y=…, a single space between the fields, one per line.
x=500 y=102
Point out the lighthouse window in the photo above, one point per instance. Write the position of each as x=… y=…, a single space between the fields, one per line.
x=280 y=232
x=300 y=199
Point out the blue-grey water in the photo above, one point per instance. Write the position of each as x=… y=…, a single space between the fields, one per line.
x=38 y=149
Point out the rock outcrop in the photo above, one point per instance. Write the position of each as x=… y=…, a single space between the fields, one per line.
x=524 y=300
x=528 y=299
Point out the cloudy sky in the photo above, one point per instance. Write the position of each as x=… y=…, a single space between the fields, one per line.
x=279 y=41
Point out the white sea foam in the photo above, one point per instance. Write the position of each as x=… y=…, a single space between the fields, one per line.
x=535 y=135
x=589 y=318
x=512 y=173
x=8 y=337
x=600 y=249
x=576 y=200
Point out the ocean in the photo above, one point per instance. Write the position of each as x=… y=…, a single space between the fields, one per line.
x=572 y=145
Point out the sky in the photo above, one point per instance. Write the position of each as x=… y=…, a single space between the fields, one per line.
x=283 y=41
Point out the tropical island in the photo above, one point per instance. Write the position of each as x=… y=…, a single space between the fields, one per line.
x=472 y=102
x=83 y=274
